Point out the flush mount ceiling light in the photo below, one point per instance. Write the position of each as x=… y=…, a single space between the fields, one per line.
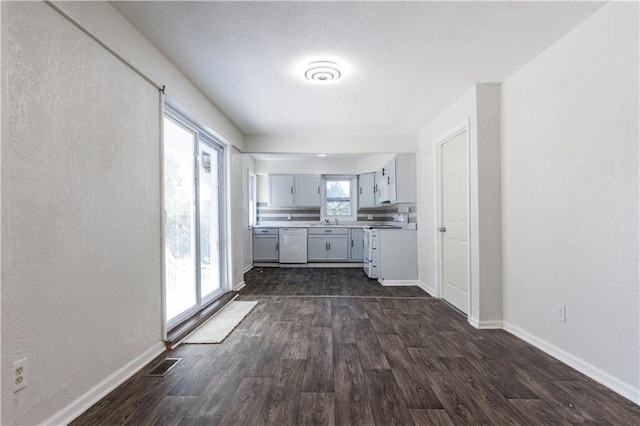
x=322 y=72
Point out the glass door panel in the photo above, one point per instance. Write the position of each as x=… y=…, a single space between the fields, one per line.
x=209 y=222
x=180 y=223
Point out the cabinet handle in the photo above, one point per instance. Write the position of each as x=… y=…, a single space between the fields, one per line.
x=292 y=189
x=326 y=246
x=351 y=243
x=360 y=190
x=277 y=246
x=329 y=246
x=388 y=180
x=318 y=190
x=383 y=171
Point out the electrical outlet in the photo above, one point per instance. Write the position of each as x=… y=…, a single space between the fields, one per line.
x=561 y=312
x=19 y=376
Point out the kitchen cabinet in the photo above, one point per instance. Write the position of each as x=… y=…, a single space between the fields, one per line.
x=281 y=190
x=396 y=180
x=294 y=191
x=366 y=190
x=307 y=191
x=396 y=256
x=356 y=248
x=266 y=245
x=328 y=245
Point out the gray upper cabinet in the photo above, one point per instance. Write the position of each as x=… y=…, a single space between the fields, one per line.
x=281 y=189
x=294 y=191
x=396 y=180
x=307 y=191
x=366 y=190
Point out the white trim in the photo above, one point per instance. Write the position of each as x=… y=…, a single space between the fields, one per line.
x=398 y=283
x=247 y=269
x=429 y=288
x=240 y=286
x=582 y=366
x=102 y=389
x=163 y=238
x=475 y=322
x=489 y=325
x=448 y=136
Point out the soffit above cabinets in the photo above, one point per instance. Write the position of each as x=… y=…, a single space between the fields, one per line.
x=404 y=62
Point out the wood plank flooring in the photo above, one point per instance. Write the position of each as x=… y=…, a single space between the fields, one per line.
x=361 y=354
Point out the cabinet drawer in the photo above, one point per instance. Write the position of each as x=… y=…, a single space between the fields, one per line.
x=265 y=231
x=328 y=231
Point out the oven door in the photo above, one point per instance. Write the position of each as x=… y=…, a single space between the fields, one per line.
x=368 y=251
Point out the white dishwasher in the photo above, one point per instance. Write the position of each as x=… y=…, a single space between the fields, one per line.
x=293 y=245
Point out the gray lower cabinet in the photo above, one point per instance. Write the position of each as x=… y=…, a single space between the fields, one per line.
x=356 y=246
x=328 y=245
x=266 y=245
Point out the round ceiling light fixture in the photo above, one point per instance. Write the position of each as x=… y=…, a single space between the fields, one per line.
x=322 y=72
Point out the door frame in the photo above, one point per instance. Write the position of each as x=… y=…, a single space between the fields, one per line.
x=439 y=257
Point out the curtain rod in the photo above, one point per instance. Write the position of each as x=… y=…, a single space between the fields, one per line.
x=101 y=43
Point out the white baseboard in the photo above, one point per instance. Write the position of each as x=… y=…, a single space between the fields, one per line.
x=582 y=366
x=396 y=283
x=102 y=389
x=240 y=286
x=429 y=288
x=247 y=269
x=487 y=325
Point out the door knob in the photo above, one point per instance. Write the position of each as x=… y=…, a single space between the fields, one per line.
x=443 y=229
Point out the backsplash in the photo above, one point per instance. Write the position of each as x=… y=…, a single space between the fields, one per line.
x=272 y=214
x=379 y=214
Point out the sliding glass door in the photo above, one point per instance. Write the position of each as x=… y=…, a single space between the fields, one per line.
x=194 y=218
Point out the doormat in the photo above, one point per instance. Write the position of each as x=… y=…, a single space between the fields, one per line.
x=218 y=327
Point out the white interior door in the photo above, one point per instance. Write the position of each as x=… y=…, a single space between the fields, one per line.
x=454 y=230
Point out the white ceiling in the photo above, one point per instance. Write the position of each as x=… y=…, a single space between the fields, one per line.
x=407 y=61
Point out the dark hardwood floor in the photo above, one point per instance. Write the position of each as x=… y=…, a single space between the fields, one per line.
x=361 y=355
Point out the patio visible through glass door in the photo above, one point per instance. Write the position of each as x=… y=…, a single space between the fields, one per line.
x=209 y=226
x=194 y=218
x=179 y=219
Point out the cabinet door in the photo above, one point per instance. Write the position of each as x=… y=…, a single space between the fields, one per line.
x=391 y=181
x=366 y=190
x=265 y=248
x=338 y=247
x=377 y=180
x=356 y=249
x=307 y=191
x=317 y=248
x=280 y=190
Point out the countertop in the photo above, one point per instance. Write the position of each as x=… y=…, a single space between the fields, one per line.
x=300 y=224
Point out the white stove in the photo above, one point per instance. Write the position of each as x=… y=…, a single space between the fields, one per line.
x=371 y=261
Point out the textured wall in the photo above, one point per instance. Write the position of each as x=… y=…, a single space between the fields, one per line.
x=80 y=212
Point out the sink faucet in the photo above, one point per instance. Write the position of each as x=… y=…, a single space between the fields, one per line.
x=326 y=220
x=336 y=219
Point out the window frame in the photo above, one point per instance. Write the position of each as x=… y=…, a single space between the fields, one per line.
x=353 y=197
